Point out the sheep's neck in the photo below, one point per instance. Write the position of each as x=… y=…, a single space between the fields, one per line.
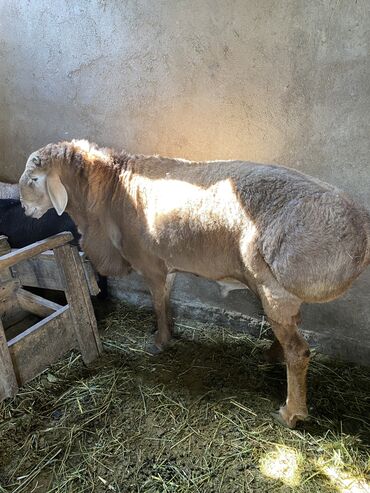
x=88 y=192
x=77 y=196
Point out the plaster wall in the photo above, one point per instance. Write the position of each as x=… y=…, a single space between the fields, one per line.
x=283 y=82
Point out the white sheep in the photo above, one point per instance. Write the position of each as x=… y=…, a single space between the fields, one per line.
x=289 y=237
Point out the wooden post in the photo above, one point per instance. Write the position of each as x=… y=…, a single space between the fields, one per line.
x=10 y=311
x=5 y=274
x=78 y=297
x=8 y=380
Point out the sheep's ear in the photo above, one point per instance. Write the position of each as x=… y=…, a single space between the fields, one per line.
x=57 y=193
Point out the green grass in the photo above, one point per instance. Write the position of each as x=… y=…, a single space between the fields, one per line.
x=194 y=419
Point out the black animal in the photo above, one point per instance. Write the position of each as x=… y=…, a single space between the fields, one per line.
x=22 y=230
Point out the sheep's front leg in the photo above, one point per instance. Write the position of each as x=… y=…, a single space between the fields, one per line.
x=160 y=288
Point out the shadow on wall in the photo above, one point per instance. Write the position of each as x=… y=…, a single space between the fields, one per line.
x=338 y=328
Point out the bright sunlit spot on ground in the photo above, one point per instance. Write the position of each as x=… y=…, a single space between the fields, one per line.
x=344 y=481
x=282 y=463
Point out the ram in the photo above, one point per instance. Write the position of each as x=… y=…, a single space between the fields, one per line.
x=290 y=238
x=22 y=230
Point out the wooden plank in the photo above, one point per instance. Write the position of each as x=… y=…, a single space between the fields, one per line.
x=21 y=325
x=10 y=311
x=42 y=272
x=36 y=304
x=41 y=345
x=39 y=272
x=12 y=258
x=78 y=298
x=8 y=380
x=58 y=316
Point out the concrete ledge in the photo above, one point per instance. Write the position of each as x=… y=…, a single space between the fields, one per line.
x=200 y=299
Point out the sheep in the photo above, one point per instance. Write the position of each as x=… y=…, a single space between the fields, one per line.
x=290 y=238
x=22 y=230
x=9 y=190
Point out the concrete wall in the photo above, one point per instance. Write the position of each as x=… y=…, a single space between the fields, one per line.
x=284 y=82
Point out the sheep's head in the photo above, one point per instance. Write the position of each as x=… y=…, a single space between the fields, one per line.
x=40 y=184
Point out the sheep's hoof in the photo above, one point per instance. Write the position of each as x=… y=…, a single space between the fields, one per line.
x=279 y=418
x=283 y=418
x=153 y=350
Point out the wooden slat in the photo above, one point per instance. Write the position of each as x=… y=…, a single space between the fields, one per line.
x=11 y=312
x=12 y=258
x=78 y=298
x=42 y=272
x=39 y=272
x=41 y=345
x=21 y=325
x=8 y=380
x=36 y=304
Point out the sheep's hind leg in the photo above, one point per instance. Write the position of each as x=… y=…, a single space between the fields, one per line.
x=282 y=310
x=275 y=353
x=297 y=357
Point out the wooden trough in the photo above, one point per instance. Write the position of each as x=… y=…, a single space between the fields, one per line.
x=34 y=331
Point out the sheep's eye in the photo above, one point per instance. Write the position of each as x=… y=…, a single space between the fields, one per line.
x=34 y=179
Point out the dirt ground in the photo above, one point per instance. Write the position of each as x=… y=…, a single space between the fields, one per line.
x=194 y=419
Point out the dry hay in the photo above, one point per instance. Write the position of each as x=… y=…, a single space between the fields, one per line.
x=194 y=419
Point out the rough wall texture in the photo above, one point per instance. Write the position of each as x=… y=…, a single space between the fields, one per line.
x=284 y=82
